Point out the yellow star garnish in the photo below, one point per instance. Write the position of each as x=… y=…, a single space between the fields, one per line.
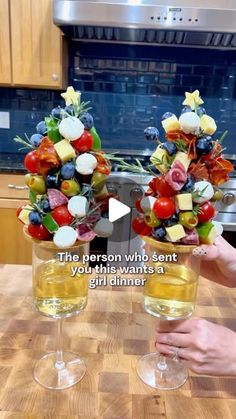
x=193 y=99
x=71 y=96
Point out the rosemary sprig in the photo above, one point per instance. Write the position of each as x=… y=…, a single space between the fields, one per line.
x=26 y=142
x=125 y=166
x=221 y=139
x=83 y=220
x=199 y=193
x=181 y=145
x=157 y=162
x=197 y=210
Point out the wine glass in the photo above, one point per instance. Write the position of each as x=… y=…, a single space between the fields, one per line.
x=59 y=292
x=170 y=295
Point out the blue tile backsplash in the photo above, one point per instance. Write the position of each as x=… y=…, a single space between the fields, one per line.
x=130 y=87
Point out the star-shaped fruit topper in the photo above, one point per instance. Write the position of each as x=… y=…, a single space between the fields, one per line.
x=193 y=99
x=71 y=96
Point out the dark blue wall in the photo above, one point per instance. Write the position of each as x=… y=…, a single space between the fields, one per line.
x=130 y=87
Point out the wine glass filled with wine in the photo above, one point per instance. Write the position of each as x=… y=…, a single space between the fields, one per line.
x=60 y=290
x=170 y=294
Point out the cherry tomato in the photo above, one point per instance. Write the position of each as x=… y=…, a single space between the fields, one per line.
x=206 y=213
x=140 y=227
x=137 y=204
x=62 y=216
x=164 y=208
x=159 y=185
x=31 y=161
x=83 y=143
x=18 y=211
x=38 y=231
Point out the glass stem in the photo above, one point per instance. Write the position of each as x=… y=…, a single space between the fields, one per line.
x=162 y=365
x=59 y=364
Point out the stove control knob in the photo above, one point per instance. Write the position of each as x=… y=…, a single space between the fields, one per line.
x=228 y=199
x=136 y=193
x=112 y=189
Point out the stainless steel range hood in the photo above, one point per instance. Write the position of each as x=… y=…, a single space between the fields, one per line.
x=199 y=23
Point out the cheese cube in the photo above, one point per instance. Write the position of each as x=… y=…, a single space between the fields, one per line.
x=171 y=124
x=64 y=150
x=175 y=233
x=184 y=201
x=183 y=158
x=208 y=125
x=160 y=155
x=24 y=214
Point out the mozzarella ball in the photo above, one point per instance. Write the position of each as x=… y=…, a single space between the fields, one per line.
x=203 y=192
x=147 y=203
x=71 y=128
x=189 y=122
x=103 y=228
x=85 y=164
x=65 y=237
x=218 y=227
x=78 y=206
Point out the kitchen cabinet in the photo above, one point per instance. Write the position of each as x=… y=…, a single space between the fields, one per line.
x=5 y=51
x=37 y=56
x=14 y=248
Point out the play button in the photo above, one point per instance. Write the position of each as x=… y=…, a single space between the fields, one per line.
x=117 y=210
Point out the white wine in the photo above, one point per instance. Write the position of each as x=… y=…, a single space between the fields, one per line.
x=56 y=292
x=171 y=295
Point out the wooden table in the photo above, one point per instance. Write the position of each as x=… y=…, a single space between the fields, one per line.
x=111 y=335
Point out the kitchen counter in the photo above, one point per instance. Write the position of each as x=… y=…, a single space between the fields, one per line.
x=110 y=335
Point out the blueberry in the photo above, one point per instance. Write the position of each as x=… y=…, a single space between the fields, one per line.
x=46 y=206
x=151 y=134
x=170 y=147
x=69 y=109
x=186 y=109
x=189 y=185
x=87 y=120
x=53 y=181
x=35 y=218
x=159 y=233
x=172 y=221
x=57 y=112
x=167 y=115
x=41 y=128
x=68 y=170
x=201 y=111
x=36 y=139
x=204 y=146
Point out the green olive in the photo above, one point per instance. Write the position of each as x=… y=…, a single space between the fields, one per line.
x=218 y=195
x=70 y=187
x=188 y=219
x=36 y=184
x=151 y=220
x=98 y=181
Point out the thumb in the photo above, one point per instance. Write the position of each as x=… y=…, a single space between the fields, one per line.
x=206 y=252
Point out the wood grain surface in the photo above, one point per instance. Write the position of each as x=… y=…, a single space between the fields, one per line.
x=111 y=334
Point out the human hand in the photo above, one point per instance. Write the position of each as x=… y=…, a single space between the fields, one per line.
x=206 y=348
x=218 y=262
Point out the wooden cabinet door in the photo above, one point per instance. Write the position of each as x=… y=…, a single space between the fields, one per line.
x=5 y=52
x=37 y=55
x=14 y=247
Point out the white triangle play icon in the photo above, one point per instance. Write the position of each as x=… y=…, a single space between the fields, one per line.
x=117 y=209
